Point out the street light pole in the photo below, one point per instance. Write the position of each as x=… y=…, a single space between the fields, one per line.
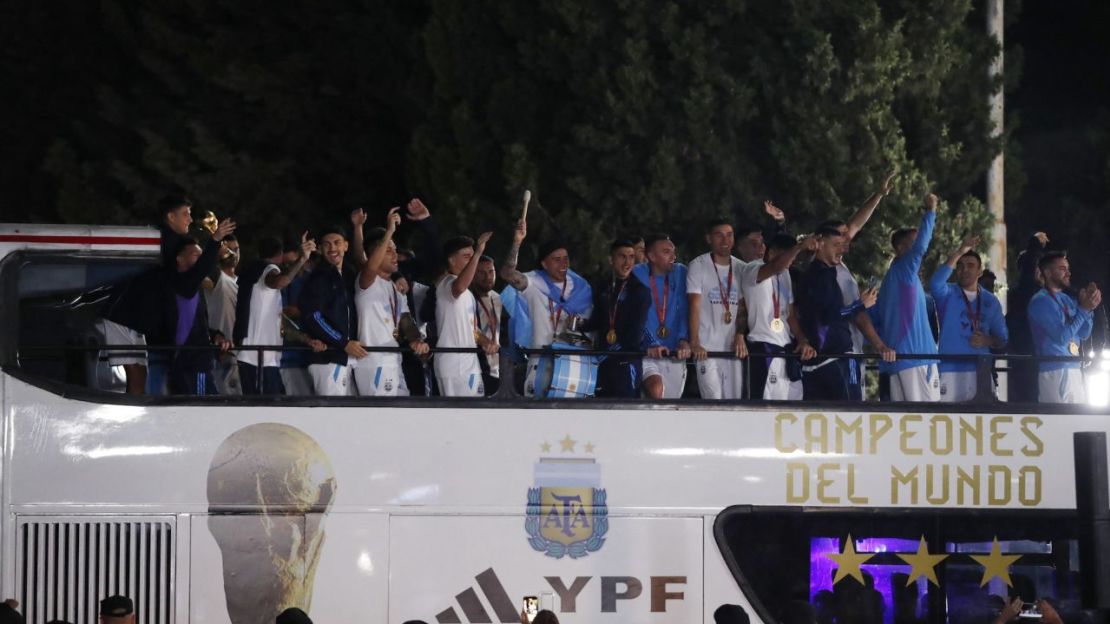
x=995 y=185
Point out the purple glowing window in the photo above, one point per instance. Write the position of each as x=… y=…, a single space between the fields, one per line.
x=821 y=570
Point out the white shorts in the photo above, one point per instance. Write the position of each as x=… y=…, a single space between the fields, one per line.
x=331 y=379
x=957 y=386
x=459 y=376
x=1063 y=385
x=673 y=373
x=116 y=334
x=778 y=386
x=917 y=384
x=380 y=377
x=720 y=378
x=297 y=381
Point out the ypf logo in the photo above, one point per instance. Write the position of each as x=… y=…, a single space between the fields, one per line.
x=566 y=512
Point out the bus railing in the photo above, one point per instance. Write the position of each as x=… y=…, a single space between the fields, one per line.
x=986 y=366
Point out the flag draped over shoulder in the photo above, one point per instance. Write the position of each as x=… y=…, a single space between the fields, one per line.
x=520 y=320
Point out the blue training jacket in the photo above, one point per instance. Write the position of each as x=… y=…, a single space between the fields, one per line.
x=955 y=322
x=903 y=319
x=677 y=318
x=1052 y=329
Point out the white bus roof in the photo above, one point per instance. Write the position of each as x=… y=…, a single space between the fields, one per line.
x=17 y=236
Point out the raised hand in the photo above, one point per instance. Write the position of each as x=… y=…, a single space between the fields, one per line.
x=227 y=226
x=1041 y=237
x=774 y=211
x=809 y=243
x=483 y=238
x=307 y=245
x=358 y=217
x=417 y=211
x=521 y=232
x=393 y=219
x=931 y=202
x=888 y=183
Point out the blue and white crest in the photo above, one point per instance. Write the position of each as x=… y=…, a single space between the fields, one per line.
x=567 y=513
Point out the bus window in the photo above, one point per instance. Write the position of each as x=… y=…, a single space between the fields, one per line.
x=60 y=300
x=901 y=566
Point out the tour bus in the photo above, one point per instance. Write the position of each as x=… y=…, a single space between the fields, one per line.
x=220 y=510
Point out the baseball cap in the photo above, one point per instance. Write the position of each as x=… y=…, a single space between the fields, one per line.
x=293 y=615
x=116 y=606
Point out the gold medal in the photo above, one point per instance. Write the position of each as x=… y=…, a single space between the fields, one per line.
x=728 y=316
x=1073 y=347
x=477 y=335
x=611 y=337
x=396 y=333
x=777 y=325
x=663 y=332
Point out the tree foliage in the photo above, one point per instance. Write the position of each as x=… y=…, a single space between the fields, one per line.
x=623 y=117
x=630 y=117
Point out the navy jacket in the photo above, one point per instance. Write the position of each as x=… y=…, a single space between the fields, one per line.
x=328 y=311
x=825 y=319
x=631 y=314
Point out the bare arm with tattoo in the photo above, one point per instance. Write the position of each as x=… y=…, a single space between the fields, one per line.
x=509 y=272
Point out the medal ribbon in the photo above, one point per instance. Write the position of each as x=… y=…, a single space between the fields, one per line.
x=393 y=305
x=726 y=296
x=491 y=320
x=660 y=311
x=775 y=297
x=1064 y=307
x=555 y=312
x=614 y=302
x=978 y=306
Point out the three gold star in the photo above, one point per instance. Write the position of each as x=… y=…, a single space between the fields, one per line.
x=848 y=562
x=922 y=564
x=996 y=564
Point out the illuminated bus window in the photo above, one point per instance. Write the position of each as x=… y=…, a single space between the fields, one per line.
x=901 y=566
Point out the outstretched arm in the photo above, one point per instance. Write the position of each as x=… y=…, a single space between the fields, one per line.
x=460 y=285
x=369 y=271
x=858 y=220
x=277 y=280
x=358 y=249
x=783 y=261
x=509 y=272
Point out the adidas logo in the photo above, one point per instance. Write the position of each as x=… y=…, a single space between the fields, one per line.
x=473 y=609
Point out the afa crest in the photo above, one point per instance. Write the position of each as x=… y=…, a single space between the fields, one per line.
x=566 y=513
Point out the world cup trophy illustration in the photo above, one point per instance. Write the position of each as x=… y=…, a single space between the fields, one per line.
x=269 y=489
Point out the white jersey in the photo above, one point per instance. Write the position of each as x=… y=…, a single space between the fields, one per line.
x=710 y=280
x=760 y=298
x=849 y=290
x=489 y=323
x=456 y=322
x=264 y=322
x=221 y=304
x=380 y=308
x=547 y=322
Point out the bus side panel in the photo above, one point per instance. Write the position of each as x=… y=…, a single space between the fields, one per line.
x=271 y=562
x=648 y=571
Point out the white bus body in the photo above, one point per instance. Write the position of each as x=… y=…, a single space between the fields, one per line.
x=387 y=511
